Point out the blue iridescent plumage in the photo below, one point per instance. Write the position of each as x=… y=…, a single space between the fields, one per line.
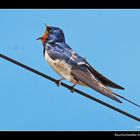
x=62 y=51
x=58 y=49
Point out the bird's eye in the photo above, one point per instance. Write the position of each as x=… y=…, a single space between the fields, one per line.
x=49 y=29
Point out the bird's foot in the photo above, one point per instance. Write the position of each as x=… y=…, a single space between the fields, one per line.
x=72 y=88
x=58 y=82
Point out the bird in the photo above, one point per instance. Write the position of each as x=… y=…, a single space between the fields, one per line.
x=72 y=67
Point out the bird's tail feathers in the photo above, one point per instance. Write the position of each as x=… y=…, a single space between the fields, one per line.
x=126 y=99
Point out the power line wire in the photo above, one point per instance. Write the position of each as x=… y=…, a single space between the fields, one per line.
x=69 y=87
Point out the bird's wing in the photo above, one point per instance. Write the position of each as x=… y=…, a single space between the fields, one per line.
x=62 y=51
x=59 y=51
x=82 y=74
x=80 y=69
x=102 y=78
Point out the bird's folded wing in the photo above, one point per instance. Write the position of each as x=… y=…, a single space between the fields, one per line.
x=89 y=80
x=102 y=78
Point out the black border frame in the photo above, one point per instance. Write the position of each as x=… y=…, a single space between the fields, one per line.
x=65 y=4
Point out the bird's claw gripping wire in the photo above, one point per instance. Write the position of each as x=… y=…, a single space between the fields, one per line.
x=72 y=88
x=58 y=82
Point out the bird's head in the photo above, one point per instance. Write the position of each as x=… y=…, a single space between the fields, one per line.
x=52 y=34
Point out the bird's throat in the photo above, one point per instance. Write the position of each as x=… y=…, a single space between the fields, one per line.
x=44 y=37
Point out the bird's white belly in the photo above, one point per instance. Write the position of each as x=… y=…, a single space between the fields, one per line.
x=61 y=67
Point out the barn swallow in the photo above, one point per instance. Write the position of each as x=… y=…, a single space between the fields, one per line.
x=71 y=66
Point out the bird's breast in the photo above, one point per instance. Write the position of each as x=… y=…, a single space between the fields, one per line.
x=61 y=67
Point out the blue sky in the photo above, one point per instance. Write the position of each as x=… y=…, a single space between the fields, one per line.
x=109 y=39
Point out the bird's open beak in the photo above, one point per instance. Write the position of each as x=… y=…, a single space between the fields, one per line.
x=44 y=37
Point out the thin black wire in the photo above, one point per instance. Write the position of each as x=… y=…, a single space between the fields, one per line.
x=69 y=87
